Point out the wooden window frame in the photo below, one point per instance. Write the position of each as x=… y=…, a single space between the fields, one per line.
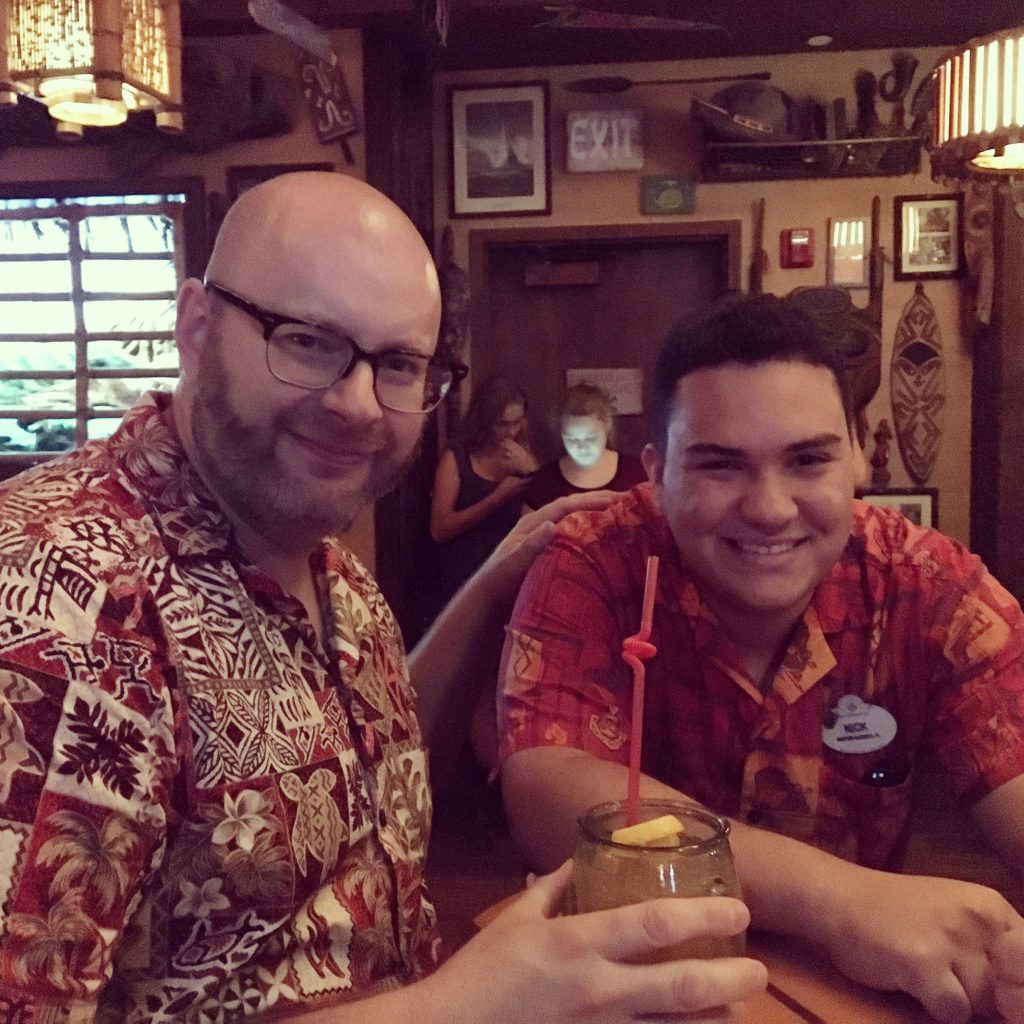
x=190 y=258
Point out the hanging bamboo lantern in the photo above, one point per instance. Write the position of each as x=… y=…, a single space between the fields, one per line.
x=92 y=62
x=979 y=108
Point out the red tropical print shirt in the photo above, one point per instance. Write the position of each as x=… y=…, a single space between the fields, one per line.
x=204 y=813
x=908 y=645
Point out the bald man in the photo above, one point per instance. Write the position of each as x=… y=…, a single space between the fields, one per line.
x=213 y=795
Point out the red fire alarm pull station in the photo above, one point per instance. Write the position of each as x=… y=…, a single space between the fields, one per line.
x=796 y=247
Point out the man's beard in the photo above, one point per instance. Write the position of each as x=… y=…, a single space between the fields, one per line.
x=238 y=460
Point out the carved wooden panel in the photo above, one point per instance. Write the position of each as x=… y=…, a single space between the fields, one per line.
x=917 y=384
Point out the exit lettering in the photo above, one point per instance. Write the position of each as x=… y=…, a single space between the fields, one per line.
x=604 y=140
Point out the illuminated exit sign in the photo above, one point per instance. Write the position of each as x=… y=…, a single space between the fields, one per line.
x=604 y=140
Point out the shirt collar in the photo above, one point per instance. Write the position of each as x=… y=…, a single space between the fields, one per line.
x=147 y=449
x=840 y=600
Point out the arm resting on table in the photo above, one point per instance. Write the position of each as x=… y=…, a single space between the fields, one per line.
x=930 y=937
x=1000 y=815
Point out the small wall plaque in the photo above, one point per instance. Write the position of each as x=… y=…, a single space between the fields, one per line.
x=604 y=140
x=662 y=193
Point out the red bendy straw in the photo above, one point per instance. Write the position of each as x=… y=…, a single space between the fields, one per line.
x=635 y=650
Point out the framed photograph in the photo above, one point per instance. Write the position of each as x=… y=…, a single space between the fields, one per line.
x=500 y=150
x=240 y=178
x=919 y=504
x=848 y=242
x=929 y=242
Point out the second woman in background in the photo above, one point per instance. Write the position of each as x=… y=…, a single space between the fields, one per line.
x=478 y=484
x=585 y=421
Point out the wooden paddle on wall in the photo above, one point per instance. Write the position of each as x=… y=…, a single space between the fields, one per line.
x=620 y=83
x=758 y=257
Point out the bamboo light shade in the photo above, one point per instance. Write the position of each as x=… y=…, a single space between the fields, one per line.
x=979 y=108
x=93 y=61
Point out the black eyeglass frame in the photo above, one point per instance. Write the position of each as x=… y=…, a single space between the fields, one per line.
x=270 y=322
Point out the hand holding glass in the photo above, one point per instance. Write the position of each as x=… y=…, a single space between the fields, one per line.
x=697 y=862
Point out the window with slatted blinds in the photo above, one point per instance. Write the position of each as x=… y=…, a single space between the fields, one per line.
x=87 y=300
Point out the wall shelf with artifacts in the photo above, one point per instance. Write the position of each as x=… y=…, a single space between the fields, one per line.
x=819 y=158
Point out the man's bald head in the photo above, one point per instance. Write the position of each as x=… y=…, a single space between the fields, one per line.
x=315 y=233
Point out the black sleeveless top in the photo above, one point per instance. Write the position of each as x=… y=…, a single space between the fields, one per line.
x=460 y=557
x=547 y=483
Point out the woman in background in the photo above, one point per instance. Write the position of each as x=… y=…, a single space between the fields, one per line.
x=585 y=421
x=476 y=501
x=478 y=484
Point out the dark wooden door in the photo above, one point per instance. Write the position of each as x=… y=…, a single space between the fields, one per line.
x=551 y=299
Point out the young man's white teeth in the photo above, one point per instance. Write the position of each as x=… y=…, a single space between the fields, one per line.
x=766 y=549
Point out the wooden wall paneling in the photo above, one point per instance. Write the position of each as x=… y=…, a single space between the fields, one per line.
x=398 y=116
x=997 y=414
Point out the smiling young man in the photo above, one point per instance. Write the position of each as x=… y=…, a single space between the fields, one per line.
x=755 y=487
x=809 y=647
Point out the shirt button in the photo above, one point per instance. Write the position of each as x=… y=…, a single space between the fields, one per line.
x=754 y=816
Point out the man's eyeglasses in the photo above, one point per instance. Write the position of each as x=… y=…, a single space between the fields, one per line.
x=313 y=357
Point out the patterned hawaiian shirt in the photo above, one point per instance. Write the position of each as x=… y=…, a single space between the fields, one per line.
x=908 y=644
x=204 y=814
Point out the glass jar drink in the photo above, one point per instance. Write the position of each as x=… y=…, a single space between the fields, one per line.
x=698 y=862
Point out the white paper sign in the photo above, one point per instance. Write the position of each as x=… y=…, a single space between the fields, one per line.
x=626 y=386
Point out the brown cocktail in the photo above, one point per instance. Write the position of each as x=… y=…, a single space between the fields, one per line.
x=694 y=862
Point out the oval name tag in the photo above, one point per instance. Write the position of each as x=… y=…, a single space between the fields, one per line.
x=859 y=727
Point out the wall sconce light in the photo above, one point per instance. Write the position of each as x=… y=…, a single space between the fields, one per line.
x=93 y=61
x=849 y=240
x=979 y=108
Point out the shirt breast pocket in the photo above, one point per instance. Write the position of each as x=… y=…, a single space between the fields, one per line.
x=864 y=806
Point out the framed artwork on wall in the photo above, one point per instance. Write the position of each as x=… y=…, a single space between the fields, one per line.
x=919 y=504
x=243 y=177
x=928 y=239
x=500 y=162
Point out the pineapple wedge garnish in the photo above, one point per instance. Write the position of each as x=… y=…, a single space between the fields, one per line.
x=663 y=831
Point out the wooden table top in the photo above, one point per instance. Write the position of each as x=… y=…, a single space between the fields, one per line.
x=805 y=989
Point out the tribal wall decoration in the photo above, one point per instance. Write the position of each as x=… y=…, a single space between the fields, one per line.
x=1017 y=195
x=855 y=332
x=917 y=386
x=979 y=245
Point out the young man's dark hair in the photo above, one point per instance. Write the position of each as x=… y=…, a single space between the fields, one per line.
x=738 y=329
